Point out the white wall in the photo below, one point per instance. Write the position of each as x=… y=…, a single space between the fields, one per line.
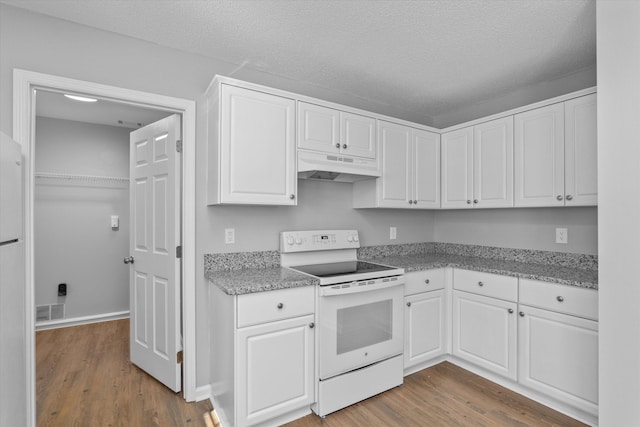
x=532 y=228
x=618 y=29
x=74 y=242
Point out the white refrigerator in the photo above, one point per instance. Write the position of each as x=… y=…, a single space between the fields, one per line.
x=13 y=331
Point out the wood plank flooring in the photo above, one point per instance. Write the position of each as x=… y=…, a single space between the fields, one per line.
x=84 y=378
x=443 y=395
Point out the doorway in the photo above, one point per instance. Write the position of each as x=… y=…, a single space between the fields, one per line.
x=26 y=84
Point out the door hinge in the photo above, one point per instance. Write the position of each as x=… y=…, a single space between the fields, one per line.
x=179 y=146
x=179 y=357
x=179 y=251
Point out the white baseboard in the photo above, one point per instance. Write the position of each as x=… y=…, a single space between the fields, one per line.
x=203 y=392
x=83 y=320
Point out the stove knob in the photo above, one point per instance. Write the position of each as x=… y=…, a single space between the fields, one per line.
x=289 y=240
x=298 y=241
x=349 y=239
x=355 y=238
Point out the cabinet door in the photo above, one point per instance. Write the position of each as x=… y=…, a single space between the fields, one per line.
x=424 y=327
x=581 y=156
x=484 y=332
x=558 y=356
x=257 y=164
x=275 y=372
x=395 y=155
x=493 y=164
x=457 y=169
x=358 y=135
x=426 y=169
x=539 y=157
x=318 y=128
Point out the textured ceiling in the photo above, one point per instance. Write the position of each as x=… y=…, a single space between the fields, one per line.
x=431 y=57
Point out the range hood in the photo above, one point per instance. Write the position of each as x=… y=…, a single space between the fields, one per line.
x=335 y=167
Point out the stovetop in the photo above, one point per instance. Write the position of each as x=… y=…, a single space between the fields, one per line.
x=335 y=269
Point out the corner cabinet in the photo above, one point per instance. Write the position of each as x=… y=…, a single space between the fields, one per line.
x=252 y=147
x=262 y=356
x=556 y=154
x=477 y=166
x=410 y=166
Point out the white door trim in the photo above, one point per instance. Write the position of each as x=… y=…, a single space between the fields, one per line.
x=24 y=82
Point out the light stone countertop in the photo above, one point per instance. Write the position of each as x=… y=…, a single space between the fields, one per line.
x=543 y=272
x=245 y=281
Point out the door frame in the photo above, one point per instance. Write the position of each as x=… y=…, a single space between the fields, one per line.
x=24 y=85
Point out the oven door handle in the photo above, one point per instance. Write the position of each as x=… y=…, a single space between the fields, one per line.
x=354 y=288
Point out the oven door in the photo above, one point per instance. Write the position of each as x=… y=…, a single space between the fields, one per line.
x=357 y=329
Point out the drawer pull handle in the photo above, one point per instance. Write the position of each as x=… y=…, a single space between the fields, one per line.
x=408 y=304
x=521 y=314
x=480 y=284
x=426 y=281
x=312 y=325
x=510 y=310
x=280 y=306
x=560 y=298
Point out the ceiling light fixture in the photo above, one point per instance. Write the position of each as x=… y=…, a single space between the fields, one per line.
x=80 y=98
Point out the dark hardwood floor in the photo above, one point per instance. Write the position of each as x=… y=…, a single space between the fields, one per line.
x=443 y=395
x=84 y=378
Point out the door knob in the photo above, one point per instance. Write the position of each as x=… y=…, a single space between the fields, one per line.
x=128 y=260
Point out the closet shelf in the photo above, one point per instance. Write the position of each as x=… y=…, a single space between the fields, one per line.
x=84 y=178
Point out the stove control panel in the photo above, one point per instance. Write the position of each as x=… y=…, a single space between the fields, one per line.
x=318 y=240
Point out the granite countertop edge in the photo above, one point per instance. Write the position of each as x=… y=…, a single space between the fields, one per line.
x=542 y=272
x=252 y=280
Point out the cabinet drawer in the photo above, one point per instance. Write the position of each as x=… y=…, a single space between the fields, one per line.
x=561 y=298
x=423 y=281
x=262 y=307
x=487 y=284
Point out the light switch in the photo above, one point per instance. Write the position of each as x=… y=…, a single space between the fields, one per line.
x=115 y=222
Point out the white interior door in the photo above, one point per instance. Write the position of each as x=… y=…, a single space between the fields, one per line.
x=155 y=234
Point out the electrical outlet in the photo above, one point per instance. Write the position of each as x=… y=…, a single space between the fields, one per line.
x=562 y=236
x=392 y=233
x=229 y=235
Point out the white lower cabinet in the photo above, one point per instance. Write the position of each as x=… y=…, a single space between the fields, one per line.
x=484 y=332
x=275 y=369
x=558 y=356
x=425 y=331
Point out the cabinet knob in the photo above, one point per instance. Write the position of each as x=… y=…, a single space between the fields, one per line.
x=410 y=202
x=280 y=306
x=415 y=202
x=468 y=202
x=569 y=197
x=312 y=325
x=510 y=310
x=560 y=298
x=409 y=304
x=559 y=197
x=480 y=284
x=292 y=196
x=475 y=201
x=426 y=281
x=344 y=146
x=521 y=314
x=337 y=145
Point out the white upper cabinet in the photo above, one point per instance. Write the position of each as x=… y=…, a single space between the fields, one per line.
x=457 y=169
x=332 y=131
x=251 y=147
x=477 y=166
x=410 y=165
x=539 y=157
x=493 y=164
x=556 y=154
x=581 y=151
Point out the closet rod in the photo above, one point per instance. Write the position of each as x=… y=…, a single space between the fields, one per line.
x=92 y=178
